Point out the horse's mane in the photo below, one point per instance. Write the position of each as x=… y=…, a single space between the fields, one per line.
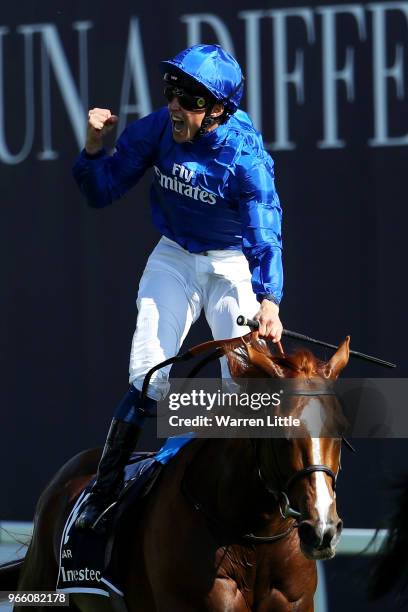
x=253 y=359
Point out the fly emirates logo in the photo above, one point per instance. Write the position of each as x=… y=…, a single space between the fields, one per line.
x=180 y=182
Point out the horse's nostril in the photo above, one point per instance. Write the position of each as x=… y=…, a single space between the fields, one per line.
x=331 y=534
x=328 y=536
x=308 y=535
x=313 y=536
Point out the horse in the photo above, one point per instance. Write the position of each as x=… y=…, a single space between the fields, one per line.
x=231 y=524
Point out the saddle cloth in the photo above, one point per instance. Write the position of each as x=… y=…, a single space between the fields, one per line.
x=85 y=555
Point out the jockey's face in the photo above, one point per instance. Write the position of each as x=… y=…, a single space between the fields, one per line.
x=185 y=124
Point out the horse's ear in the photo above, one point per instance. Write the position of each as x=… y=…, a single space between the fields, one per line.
x=339 y=360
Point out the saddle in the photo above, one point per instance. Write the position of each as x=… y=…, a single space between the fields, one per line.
x=85 y=563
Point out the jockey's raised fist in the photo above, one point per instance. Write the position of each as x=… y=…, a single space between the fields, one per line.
x=100 y=122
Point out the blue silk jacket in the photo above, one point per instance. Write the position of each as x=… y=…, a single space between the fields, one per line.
x=216 y=192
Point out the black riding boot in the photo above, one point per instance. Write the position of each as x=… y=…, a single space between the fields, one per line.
x=123 y=435
x=119 y=445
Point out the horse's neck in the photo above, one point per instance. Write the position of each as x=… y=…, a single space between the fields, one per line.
x=224 y=474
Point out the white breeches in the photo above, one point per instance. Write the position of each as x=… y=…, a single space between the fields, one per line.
x=175 y=286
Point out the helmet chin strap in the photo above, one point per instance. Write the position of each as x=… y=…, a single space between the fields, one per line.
x=207 y=122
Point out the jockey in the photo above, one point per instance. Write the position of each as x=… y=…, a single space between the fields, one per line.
x=213 y=200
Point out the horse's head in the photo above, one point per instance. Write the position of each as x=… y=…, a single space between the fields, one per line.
x=301 y=471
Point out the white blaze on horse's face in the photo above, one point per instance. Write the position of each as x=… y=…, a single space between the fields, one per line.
x=313 y=417
x=320 y=528
x=324 y=498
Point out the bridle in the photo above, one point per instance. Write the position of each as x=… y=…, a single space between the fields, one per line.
x=281 y=495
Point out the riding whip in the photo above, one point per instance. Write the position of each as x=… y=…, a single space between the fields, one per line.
x=254 y=325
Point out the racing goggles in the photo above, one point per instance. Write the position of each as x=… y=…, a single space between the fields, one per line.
x=187 y=100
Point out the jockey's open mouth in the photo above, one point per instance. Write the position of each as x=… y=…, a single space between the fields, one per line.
x=178 y=123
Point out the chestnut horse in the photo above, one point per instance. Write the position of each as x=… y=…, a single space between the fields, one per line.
x=232 y=525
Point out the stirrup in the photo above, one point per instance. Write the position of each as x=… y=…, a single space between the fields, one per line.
x=90 y=514
x=102 y=522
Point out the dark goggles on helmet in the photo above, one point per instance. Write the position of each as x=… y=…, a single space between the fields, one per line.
x=187 y=100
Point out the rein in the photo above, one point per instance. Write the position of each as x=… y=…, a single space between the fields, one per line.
x=249 y=538
x=219 y=349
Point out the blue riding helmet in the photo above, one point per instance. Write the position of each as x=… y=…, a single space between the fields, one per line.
x=213 y=68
